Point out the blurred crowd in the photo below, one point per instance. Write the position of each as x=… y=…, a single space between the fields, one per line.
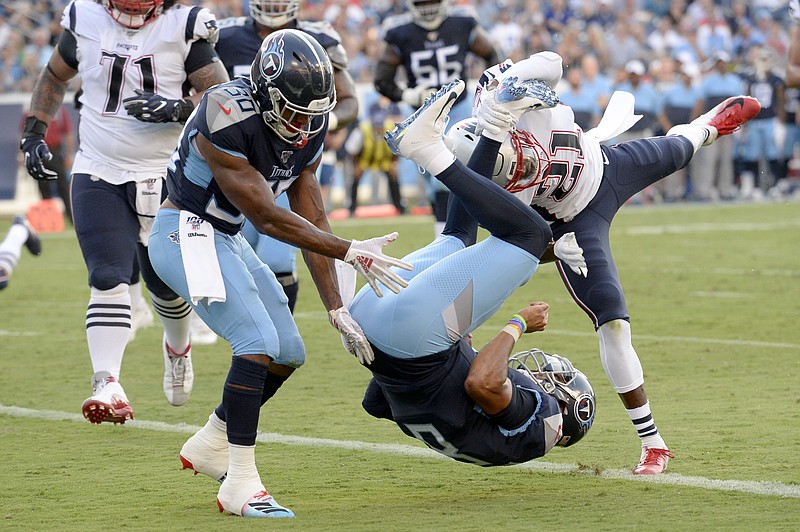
x=649 y=47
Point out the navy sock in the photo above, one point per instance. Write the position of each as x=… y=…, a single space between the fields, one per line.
x=241 y=400
x=271 y=385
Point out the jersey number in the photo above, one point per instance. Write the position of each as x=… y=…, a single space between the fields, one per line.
x=116 y=64
x=563 y=173
x=434 y=439
x=432 y=69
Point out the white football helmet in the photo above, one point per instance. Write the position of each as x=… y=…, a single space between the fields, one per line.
x=429 y=14
x=274 y=13
x=559 y=378
x=521 y=163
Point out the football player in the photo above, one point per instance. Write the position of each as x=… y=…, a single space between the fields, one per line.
x=136 y=59
x=793 y=67
x=250 y=140
x=426 y=377
x=431 y=42
x=578 y=186
x=239 y=41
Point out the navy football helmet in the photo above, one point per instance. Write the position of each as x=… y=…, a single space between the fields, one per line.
x=135 y=13
x=428 y=14
x=274 y=13
x=292 y=82
x=559 y=378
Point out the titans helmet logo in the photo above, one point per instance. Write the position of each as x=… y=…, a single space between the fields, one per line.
x=272 y=57
x=584 y=410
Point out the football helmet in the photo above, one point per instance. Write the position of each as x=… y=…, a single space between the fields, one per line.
x=521 y=163
x=292 y=82
x=274 y=13
x=559 y=378
x=428 y=14
x=135 y=13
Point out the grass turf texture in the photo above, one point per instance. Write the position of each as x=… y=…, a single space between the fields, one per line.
x=714 y=292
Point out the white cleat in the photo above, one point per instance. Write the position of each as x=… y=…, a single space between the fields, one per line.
x=419 y=137
x=259 y=503
x=202 y=333
x=178 y=374
x=201 y=455
x=108 y=402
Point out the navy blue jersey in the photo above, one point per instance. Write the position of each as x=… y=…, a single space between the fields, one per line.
x=432 y=58
x=765 y=90
x=429 y=402
x=228 y=116
x=239 y=43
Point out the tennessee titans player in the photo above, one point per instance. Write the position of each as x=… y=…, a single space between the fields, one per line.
x=249 y=141
x=426 y=376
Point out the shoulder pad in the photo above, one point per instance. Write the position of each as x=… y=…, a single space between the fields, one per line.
x=201 y=24
x=395 y=21
x=462 y=11
x=228 y=104
x=338 y=57
x=322 y=27
x=231 y=22
x=89 y=14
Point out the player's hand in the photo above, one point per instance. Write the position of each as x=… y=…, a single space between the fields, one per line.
x=368 y=259
x=567 y=250
x=415 y=96
x=353 y=337
x=151 y=107
x=36 y=154
x=492 y=117
x=535 y=315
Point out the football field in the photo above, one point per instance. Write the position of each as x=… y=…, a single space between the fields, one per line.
x=714 y=295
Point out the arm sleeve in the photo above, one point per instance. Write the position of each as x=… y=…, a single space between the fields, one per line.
x=523 y=406
x=68 y=49
x=201 y=54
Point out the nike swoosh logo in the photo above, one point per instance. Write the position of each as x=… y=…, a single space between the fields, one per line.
x=224 y=109
x=450 y=97
x=605 y=158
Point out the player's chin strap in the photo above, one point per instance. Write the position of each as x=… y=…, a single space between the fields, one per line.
x=618 y=117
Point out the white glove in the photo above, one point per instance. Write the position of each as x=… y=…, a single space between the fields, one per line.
x=415 y=96
x=567 y=250
x=492 y=118
x=353 y=337
x=368 y=259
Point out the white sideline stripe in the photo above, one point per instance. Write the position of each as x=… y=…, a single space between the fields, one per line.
x=709 y=227
x=775 y=489
x=687 y=339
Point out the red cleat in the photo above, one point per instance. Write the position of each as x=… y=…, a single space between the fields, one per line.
x=654 y=461
x=728 y=116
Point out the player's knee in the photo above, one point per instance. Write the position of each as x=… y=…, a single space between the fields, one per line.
x=113 y=292
x=375 y=402
x=158 y=287
x=107 y=277
x=537 y=236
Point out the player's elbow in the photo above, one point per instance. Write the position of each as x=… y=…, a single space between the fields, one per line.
x=483 y=389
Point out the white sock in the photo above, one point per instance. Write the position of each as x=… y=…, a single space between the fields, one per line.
x=137 y=298
x=694 y=133
x=441 y=161
x=642 y=420
x=11 y=247
x=176 y=318
x=108 y=325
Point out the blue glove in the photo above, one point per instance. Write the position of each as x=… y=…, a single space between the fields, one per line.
x=151 y=107
x=36 y=151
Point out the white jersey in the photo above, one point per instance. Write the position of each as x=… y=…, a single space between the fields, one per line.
x=112 y=62
x=575 y=162
x=794 y=10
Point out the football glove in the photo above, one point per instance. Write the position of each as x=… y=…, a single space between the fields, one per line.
x=567 y=250
x=353 y=337
x=151 y=107
x=415 y=96
x=368 y=259
x=36 y=150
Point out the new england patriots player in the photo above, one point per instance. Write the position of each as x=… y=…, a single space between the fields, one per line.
x=239 y=41
x=578 y=186
x=426 y=377
x=793 y=67
x=431 y=43
x=247 y=142
x=125 y=51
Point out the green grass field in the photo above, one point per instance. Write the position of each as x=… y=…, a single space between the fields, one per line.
x=714 y=292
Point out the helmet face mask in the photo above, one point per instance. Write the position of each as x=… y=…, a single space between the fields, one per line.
x=134 y=13
x=521 y=162
x=428 y=14
x=560 y=379
x=274 y=13
x=292 y=82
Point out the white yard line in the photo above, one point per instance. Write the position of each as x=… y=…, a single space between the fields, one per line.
x=775 y=489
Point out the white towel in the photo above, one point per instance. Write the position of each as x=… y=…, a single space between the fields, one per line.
x=200 y=260
x=618 y=117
